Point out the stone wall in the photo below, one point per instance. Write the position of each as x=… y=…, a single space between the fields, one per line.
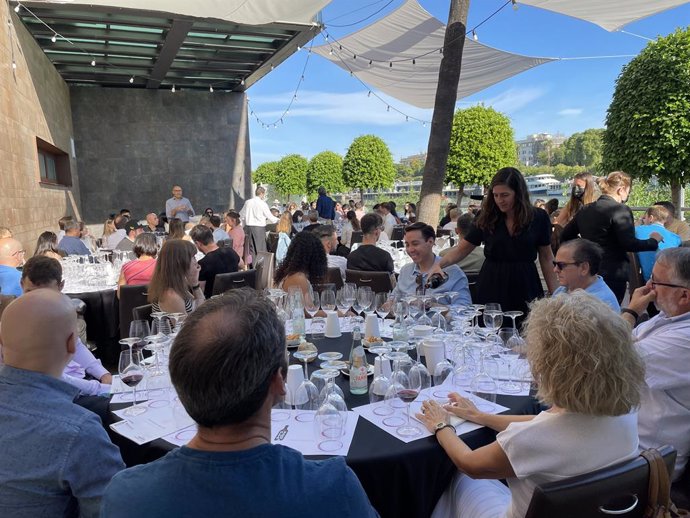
x=34 y=102
x=133 y=145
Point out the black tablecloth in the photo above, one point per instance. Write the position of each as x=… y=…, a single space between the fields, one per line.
x=102 y=314
x=400 y=479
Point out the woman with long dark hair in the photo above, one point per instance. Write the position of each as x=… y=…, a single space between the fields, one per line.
x=47 y=245
x=514 y=234
x=351 y=224
x=305 y=264
x=174 y=287
x=609 y=223
x=176 y=229
x=584 y=192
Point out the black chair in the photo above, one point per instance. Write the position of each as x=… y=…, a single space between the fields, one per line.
x=265 y=268
x=142 y=312
x=230 y=281
x=356 y=237
x=334 y=277
x=620 y=489
x=130 y=298
x=272 y=241
x=398 y=233
x=443 y=232
x=472 y=284
x=377 y=281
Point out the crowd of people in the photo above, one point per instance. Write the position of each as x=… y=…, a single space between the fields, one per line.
x=611 y=377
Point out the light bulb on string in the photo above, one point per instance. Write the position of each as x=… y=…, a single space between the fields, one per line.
x=423 y=124
x=299 y=48
x=369 y=93
x=388 y=108
x=173 y=89
x=210 y=88
x=16 y=9
x=131 y=79
x=370 y=62
x=407 y=119
x=275 y=126
x=242 y=82
x=515 y=5
x=390 y=65
x=474 y=35
x=54 y=38
x=414 y=61
x=14 y=64
x=272 y=67
x=93 y=62
x=330 y=52
x=440 y=51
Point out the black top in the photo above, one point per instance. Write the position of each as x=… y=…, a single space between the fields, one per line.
x=222 y=260
x=610 y=224
x=370 y=258
x=311 y=227
x=509 y=275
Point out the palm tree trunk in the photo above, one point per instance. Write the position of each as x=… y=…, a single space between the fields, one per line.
x=444 y=107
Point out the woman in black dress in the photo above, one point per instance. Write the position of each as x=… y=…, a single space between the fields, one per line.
x=514 y=233
x=609 y=223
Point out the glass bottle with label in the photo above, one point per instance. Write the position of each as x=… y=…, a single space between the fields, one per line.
x=359 y=368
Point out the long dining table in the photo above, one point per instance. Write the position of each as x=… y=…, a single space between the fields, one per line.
x=400 y=479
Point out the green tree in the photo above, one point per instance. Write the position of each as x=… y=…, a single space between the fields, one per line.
x=325 y=170
x=584 y=149
x=368 y=164
x=266 y=173
x=291 y=176
x=648 y=121
x=481 y=142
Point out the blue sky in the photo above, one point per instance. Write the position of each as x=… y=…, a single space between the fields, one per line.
x=332 y=108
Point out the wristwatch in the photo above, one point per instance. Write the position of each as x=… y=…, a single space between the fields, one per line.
x=440 y=426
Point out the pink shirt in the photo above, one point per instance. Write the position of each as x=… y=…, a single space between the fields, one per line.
x=139 y=272
x=237 y=235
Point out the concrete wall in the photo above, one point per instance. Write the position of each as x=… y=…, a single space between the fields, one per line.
x=34 y=102
x=133 y=145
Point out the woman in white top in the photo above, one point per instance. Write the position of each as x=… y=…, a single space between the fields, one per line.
x=351 y=224
x=581 y=352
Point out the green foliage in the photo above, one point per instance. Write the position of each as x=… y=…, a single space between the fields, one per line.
x=579 y=150
x=291 y=176
x=368 y=164
x=266 y=173
x=648 y=121
x=325 y=169
x=481 y=143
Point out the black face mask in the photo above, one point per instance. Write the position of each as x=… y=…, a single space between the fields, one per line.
x=578 y=192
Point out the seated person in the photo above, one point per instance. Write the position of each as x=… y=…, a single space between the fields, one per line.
x=313 y=221
x=664 y=344
x=216 y=260
x=454 y=214
x=576 y=266
x=653 y=221
x=218 y=233
x=305 y=264
x=47 y=245
x=679 y=227
x=590 y=424
x=368 y=257
x=56 y=456
x=140 y=270
x=472 y=263
x=72 y=244
x=132 y=230
x=175 y=286
x=11 y=257
x=230 y=466
x=419 y=242
x=329 y=240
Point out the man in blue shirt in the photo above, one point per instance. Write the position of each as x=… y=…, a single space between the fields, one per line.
x=11 y=258
x=653 y=221
x=72 y=244
x=56 y=457
x=178 y=206
x=576 y=265
x=419 y=243
x=325 y=205
x=228 y=366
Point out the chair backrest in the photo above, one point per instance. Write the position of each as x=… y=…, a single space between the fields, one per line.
x=130 y=298
x=272 y=241
x=333 y=276
x=264 y=273
x=229 y=281
x=356 y=237
x=225 y=243
x=142 y=312
x=443 y=232
x=398 y=233
x=377 y=281
x=620 y=489
x=5 y=301
x=635 y=279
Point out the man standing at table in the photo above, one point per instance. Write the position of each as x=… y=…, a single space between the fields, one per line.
x=56 y=457
x=178 y=206
x=230 y=466
x=664 y=344
x=419 y=243
x=255 y=214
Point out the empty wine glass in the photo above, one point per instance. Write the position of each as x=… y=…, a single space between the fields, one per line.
x=311 y=305
x=382 y=305
x=377 y=390
x=513 y=315
x=329 y=427
x=342 y=303
x=131 y=374
x=484 y=387
x=365 y=298
x=328 y=300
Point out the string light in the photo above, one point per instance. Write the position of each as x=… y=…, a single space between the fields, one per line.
x=210 y=88
x=299 y=48
x=131 y=79
x=242 y=82
x=414 y=61
x=54 y=38
x=14 y=64
x=93 y=62
x=369 y=93
x=515 y=5
x=16 y=9
x=173 y=89
x=272 y=67
x=474 y=35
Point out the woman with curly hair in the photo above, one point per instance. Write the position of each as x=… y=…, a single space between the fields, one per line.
x=47 y=245
x=582 y=355
x=514 y=233
x=174 y=287
x=305 y=264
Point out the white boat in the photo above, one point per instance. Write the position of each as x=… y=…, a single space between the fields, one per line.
x=543 y=184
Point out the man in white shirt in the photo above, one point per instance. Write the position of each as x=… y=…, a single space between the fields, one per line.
x=178 y=206
x=388 y=219
x=329 y=239
x=255 y=214
x=664 y=344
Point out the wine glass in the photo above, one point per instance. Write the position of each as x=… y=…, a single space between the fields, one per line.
x=131 y=374
x=139 y=329
x=510 y=355
x=484 y=387
x=328 y=300
x=379 y=387
x=329 y=427
x=365 y=298
x=381 y=305
x=513 y=315
x=342 y=302
x=407 y=390
x=312 y=306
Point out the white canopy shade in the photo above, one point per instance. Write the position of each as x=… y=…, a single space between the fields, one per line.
x=612 y=15
x=411 y=32
x=252 y=12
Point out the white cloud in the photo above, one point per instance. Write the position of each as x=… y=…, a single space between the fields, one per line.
x=514 y=99
x=570 y=112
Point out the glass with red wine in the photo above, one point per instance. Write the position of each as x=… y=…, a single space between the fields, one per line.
x=131 y=374
x=408 y=388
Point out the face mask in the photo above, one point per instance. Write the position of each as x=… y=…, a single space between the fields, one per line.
x=578 y=192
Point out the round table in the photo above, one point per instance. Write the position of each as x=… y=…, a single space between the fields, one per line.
x=400 y=479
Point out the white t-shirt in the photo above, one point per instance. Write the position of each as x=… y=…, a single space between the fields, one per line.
x=554 y=447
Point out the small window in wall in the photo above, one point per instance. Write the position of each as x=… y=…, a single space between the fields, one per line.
x=53 y=164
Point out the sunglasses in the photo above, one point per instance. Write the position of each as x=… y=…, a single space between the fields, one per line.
x=560 y=264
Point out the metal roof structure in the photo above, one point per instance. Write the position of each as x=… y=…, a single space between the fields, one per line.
x=151 y=49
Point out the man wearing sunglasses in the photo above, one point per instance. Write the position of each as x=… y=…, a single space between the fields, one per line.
x=577 y=265
x=664 y=344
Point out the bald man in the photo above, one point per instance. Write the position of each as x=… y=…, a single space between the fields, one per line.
x=56 y=457
x=11 y=257
x=178 y=206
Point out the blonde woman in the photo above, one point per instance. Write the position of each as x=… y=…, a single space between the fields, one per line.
x=584 y=192
x=285 y=231
x=174 y=287
x=589 y=374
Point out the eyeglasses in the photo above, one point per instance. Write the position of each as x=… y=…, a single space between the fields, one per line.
x=19 y=252
x=560 y=264
x=654 y=284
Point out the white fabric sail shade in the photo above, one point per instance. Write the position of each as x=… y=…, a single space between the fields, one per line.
x=410 y=31
x=249 y=12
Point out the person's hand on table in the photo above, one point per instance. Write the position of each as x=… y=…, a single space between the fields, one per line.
x=432 y=414
x=462 y=407
x=107 y=379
